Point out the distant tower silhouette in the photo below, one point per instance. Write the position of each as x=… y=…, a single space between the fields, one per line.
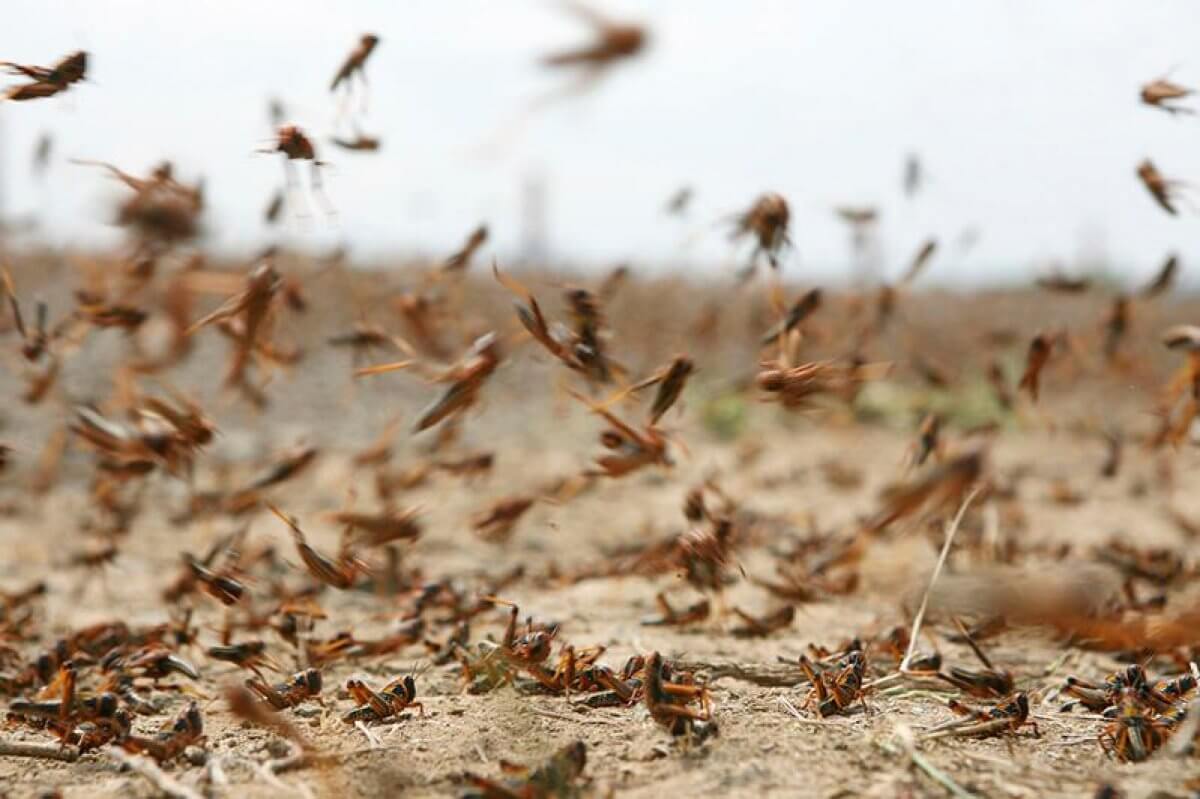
x=534 y=247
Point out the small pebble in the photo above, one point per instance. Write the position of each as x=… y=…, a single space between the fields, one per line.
x=195 y=755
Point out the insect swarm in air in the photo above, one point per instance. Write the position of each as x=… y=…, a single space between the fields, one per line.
x=617 y=499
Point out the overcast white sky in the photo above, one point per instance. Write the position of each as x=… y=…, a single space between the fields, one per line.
x=1025 y=113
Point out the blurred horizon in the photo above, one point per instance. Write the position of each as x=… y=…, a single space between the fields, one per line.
x=1025 y=117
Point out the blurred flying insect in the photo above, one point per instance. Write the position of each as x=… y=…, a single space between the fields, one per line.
x=557 y=777
x=1183 y=337
x=301 y=687
x=286 y=466
x=919 y=261
x=942 y=486
x=172 y=739
x=340 y=573
x=670 y=616
x=261 y=284
x=1035 y=361
x=1114 y=443
x=631 y=449
x=767 y=222
x=928 y=441
x=276 y=112
x=614 y=42
x=355 y=64
x=560 y=343
x=797 y=387
x=762 y=626
x=162 y=210
x=1062 y=283
x=47 y=81
x=1116 y=325
x=670 y=381
x=1185 y=382
x=379 y=451
x=987 y=683
x=224 y=587
x=253 y=309
x=250 y=655
x=34 y=343
x=1161 y=189
x=612 y=283
x=804 y=307
x=41 y=154
x=1162 y=93
x=999 y=383
x=914 y=175
x=1162 y=282
x=274 y=207
x=496 y=524
x=364 y=338
x=368 y=530
x=590 y=343
x=857 y=216
x=466 y=379
x=292 y=142
x=245 y=705
x=460 y=260
x=361 y=143
x=678 y=202
x=423 y=313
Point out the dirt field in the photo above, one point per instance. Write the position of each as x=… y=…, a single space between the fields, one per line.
x=790 y=478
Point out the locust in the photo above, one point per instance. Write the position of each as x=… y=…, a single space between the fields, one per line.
x=1164 y=93
x=692 y=614
x=766 y=222
x=341 y=573
x=355 y=62
x=1039 y=353
x=172 y=739
x=295 y=145
x=1009 y=715
x=397 y=696
x=301 y=687
x=669 y=697
x=670 y=380
x=47 y=81
x=1135 y=734
x=1161 y=189
x=557 y=777
x=630 y=448
x=1163 y=280
x=461 y=259
x=836 y=689
x=614 y=41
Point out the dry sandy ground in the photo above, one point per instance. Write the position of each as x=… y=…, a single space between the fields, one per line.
x=773 y=467
x=761 y=749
